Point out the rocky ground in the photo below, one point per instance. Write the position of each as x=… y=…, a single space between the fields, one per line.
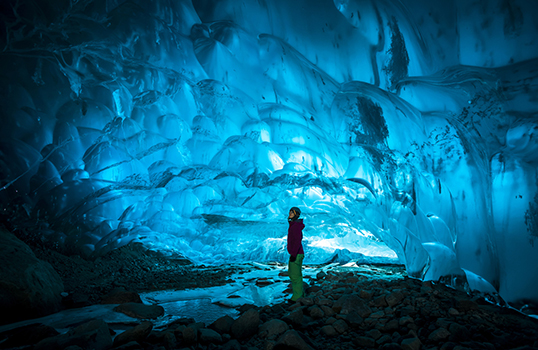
x=132 y=267
x=343 y=309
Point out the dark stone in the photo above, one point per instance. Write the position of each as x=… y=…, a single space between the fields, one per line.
x=190 y=335
x=209 y=336
x=316 y=312
x=246 y=325
x=223 y=324
x=295 y=317
x=340 y=326
x=465 y=305
x=273 y=328
x=90 y=335
x=142 y=311
x=394 y=298
x=232 y=345
x=364 y=342
x=129 y=346
x=411 y=344
x=351 y=302
x=27 y=335
x=293 y=340
x=353 y=319
x=29 y=287
x=137 y=333
x=390 y=346
x=328 y=331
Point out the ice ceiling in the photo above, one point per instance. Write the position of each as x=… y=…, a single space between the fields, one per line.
x=403 y=128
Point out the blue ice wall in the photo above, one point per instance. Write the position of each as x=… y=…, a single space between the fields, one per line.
x=403 y=129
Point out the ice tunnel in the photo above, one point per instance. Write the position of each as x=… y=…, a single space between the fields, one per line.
x=405 y=130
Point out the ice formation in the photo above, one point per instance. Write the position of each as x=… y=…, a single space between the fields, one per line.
x=401 y=128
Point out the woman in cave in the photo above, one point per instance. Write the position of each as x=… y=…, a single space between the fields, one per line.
x=295 y=249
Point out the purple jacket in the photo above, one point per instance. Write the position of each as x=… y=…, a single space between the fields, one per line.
x=295 y=236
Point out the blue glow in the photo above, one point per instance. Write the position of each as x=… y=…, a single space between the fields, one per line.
x=408 y=132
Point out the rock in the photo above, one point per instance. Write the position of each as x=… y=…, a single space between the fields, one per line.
x=316 y=312
x=453 y=312
x=374 y=333
x=246 y=325
x=292 y=339
x=223 y=324
x=142 y=311
x=327 y=311
x=29 y=287
x=364 y=342
x=464 y=305
x=384 y=339
x=394 y=298
x=351 y=302
x=169 y=340
x=321 y=275
x=28 y=335
x=232 y=345
x=340 y=326
x=209 y=336
x=439 y=334
x=380 y=301
x=273 y=328
x=295 y=317
x=404 y=321
x=390 y=346
x=391 y=325
x=411 y=344
x=121 y=296
x=190 y=335
x=129 y=346
x=137 y=333
x=306 y=301
x=90 y=335
x=353 y=319
x=329 y=331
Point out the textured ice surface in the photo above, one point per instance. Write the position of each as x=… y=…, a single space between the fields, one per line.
x=403 y=130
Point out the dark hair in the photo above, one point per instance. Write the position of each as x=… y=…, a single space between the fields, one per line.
x=296 y=210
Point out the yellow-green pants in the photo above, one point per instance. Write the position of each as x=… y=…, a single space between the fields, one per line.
x=296 y=276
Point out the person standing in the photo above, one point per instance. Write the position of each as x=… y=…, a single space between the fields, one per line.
x=295 y=249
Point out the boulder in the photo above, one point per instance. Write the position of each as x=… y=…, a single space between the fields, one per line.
x=137 y=334
x=27 y=335
x=292 y=340
x=223 y=324
x=29 y=287
x=273 y=328
x=209 y=336
x=190 y=335
x=142 y=311
x=328 y=331
x=246 y=325
x=351 y=302
x=93 y=335
x=295 y=317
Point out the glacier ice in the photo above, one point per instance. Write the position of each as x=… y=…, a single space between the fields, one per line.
x=404 y=130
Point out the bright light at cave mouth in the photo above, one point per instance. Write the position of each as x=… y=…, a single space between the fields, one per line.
x=193 y=126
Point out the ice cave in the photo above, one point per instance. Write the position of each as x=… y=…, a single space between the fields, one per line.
x=405 y=130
